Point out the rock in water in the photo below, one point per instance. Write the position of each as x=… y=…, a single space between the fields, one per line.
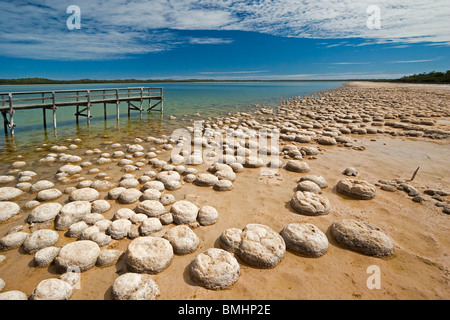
x=77 y=256
x=13 y=240
x=8 y=210
x=48 y=195
x=215 y=269
x=149 y=255
x=134 y=286
x=9 y=193
x=41 y=185
x=358 y=189
x=44 y=212
x=310 y=204
x=305 y=239
x=70 y=169
x=84 y=194
x=261 y=247
x=363 y=237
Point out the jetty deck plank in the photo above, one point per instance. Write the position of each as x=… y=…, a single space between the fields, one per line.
x=45 y=100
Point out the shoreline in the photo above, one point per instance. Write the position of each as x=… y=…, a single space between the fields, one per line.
x=402 y=139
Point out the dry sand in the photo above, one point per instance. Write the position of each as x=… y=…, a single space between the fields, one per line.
x=419 y=268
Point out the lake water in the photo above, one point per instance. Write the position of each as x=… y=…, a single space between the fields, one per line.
x=180 y=99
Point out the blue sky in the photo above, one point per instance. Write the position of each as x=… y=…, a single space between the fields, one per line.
x=224 y=39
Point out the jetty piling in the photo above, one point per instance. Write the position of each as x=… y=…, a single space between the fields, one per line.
x=82 y=99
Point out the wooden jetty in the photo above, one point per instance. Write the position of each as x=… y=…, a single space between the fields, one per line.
x=82 y=99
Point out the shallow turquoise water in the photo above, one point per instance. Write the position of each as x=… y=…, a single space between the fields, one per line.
x=208 y=99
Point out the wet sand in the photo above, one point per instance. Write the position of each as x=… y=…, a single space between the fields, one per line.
x=419 y=268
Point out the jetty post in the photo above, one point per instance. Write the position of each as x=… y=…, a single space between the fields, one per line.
x=83 y=100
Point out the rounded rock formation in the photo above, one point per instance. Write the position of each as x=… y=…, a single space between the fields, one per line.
x=297 y=166
x=207 y=215
x=319 y=180
x=134 y=286
x=184 y=212
x=52 y=289
x=309 y=203
x=44 y=212
x=9 y=193
x=149 y=255
x=40 y=239
x=305 y=239
x=206 y=179
x=150 y=225
x=363 y=237
x=129 y=196
x=8 y=210
x=151 y=208
x=230 y=239
x=182 y=239
x=84 y=194
x=77 y=256
x=45 y=257
x=215 y=269
x=70 y=213
x=261 y=247
x=358 y=189
x=308 y=186
x=13 y=240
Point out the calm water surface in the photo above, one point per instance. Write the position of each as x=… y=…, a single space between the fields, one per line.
x=180 y=99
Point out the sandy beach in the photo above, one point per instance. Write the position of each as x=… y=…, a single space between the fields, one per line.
x=385 y=131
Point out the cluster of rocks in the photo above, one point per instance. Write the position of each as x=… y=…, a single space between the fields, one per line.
x=437 y=195
x=82 y=217
x=260 y=246
x=305 y=127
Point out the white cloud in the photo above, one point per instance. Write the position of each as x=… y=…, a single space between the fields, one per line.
x=117 y=28
x=414 y=61
x=349 y=63
x=209 y=40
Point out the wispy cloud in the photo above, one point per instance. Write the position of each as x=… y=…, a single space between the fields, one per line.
x=119 y=28
x=349 y=63
x=209 y=40
x=414 y=61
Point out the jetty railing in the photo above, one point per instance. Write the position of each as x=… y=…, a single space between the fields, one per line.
x=82 y=99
